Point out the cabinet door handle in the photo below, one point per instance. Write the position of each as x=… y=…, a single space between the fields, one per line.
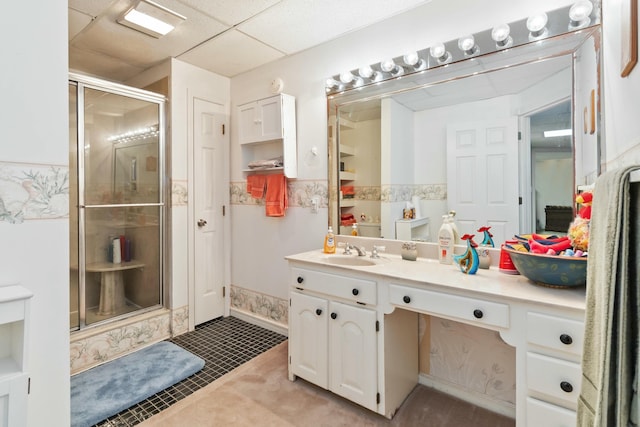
x=334 y=316
x=318 y=311
x=566 y=386
x=355 y=291
x=406 y=299
x=202 y=222
x=478 y=314
x=300 y=279
x=566 y=339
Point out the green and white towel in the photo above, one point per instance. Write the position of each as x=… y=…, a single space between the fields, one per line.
x=610 y=357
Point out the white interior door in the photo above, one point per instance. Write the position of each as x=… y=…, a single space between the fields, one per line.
x=482 y=176
x=209 y=186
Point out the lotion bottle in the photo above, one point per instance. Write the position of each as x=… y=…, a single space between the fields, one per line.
x=445 y=241
x=330 y=242
x=454 y=227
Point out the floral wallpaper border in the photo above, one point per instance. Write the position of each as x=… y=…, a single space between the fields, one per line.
x=179 y=192
x=260 y=305
x=89 y=351
x=33 y=191
x=299 y=192
x=302 y=192
x=404 y=193
x=179 y=320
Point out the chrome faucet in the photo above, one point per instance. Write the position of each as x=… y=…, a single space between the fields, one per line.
x=375 y=250
x=347 y=248
x=361 y=251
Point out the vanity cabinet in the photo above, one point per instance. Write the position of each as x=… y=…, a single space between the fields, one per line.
x=554 y=375
x=377 y=307
x=333 y=343
x=14 y=379
x=267 y=129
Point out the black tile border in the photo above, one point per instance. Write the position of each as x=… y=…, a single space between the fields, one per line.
x=224 y=343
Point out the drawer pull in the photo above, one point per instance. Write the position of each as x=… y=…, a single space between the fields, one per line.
x=355 y=291
x=318 y=311
x=406 y=299
x=478 y=314
x=334 y=316
x=300 y=279
x=566 y=339
x=566 y=386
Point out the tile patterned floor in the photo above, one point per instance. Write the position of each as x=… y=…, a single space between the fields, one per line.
x=224 y=343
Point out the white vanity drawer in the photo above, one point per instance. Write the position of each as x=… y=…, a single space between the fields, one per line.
x=555 y=378
x=438 y=303
x=350 y=288
x=541 y=413
x=555 y=332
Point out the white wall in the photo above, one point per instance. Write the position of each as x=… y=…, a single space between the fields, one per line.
x=34 y=133
x=622 y=127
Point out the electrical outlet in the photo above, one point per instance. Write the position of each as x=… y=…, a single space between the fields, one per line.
x=315 y=204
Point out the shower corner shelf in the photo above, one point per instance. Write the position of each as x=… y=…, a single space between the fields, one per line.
x=14 y=379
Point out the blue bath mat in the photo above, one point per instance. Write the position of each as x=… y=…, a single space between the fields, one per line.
x=107 y=389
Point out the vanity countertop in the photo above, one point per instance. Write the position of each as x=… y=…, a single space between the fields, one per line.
x=489 y=282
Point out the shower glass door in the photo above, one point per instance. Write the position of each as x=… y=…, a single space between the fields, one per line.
x=119 y=202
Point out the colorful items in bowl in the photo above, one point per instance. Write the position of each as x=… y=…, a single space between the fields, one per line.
x=550 y=270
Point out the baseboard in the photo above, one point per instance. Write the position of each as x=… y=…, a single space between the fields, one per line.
x=259 y=321
x=483 y=401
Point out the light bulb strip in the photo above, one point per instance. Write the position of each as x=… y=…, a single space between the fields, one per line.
x=517 y=34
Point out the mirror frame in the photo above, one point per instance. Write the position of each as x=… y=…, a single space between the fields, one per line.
x=560 y=42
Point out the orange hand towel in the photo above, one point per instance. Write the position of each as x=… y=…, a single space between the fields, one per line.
x=255 y=186
x=276 y=201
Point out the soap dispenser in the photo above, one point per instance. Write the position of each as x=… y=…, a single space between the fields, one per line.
x=445 y=241
x=454 y=227
x=330 y=242
x=354 y=229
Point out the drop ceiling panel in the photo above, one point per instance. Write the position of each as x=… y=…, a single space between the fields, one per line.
x=230 y=12
x=295 y=25
x=106 y=36
x=77 y=21
x=220 y=54
x=100 y=65
x=90 y=7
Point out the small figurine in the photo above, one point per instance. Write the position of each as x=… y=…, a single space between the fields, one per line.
x=468 y=261
x=585 y=199
x=487 y=237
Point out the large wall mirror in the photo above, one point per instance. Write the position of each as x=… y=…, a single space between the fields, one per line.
x=472 y=135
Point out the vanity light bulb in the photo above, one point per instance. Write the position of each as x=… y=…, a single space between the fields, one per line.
x=346 y=77
x=579 y=14
x=411 y=58
x=331 y=83
x=365 y=72
x=537 y=23
x=387 y=65
x=437 y=50
x=501 y=35
x=467 y=44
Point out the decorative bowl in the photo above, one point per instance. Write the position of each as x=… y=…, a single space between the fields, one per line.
x=550 y=270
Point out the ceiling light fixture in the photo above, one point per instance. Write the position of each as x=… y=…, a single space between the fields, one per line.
x=150 y=18
x=559 y=132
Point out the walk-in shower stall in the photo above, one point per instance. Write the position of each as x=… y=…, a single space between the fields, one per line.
x=116 y=156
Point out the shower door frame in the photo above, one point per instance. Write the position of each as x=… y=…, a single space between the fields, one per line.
x=82 y=82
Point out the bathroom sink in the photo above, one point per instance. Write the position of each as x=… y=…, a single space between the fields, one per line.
x=352 y=260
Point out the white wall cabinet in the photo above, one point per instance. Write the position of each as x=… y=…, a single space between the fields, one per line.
x=14 y=379
x=267 y=129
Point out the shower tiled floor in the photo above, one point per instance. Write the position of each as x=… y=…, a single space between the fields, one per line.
x=224 y=343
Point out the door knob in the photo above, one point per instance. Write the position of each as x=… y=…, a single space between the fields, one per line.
x=202 y=223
